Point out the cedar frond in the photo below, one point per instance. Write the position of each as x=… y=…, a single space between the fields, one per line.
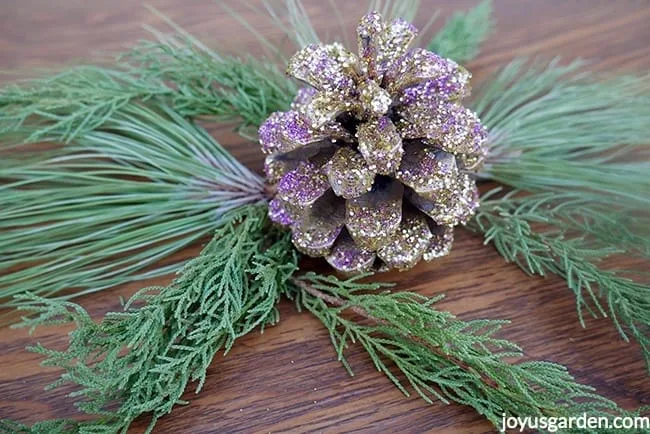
x=441 y=357
x=141 y=360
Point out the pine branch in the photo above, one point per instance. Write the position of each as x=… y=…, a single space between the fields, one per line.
x=570 y=235
x=555 y=128
x=140 y=361
x=222 y=88
x=442 y=357
x=97 y=212
x=462 y=35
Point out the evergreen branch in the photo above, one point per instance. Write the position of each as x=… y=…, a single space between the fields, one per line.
x=570 y=235
x=444 y=358
x=140 y=361
x=97 y=212
x=555 y=128
x=579 y=143
x=462 y=35
x=174 y=70
x=299 y=29
x=224 y=88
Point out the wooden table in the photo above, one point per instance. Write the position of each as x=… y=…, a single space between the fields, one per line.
x=288 y=380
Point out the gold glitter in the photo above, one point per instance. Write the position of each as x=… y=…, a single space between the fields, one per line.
x=408 y=244
x=380 y=145
x=315 y=233
x=349 y=174
x=375 y=216
x=348 y=257
x=441 y=242
x=373 y=98
x=452 y=206
x=323 y=108
x=427 y=170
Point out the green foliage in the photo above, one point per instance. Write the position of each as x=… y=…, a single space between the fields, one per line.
x=207 y=84
x=140 y=361
x=462 y=35
x=174 y=70
x=556 y=128
x=442 y=357
x=288 y=16
x=54 y=426
x=136 y=181
x=579 y=144
x=97 y=212
x=570 y=235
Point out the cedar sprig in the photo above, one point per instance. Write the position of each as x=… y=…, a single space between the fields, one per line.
x=570 y=235
x=141 y=360
x=442 y=357
x=173 y=70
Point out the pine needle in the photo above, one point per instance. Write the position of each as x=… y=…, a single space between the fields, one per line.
x=140 y=361
x=575 y=145
x=99 y=211
x=112 y=202
x=556 y=128
x=462 y=35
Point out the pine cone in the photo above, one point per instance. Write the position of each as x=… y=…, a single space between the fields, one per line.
x=373 y=164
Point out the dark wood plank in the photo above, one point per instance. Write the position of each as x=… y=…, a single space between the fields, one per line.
x=287 y=380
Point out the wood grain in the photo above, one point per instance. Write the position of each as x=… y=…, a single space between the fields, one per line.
x=287 y=380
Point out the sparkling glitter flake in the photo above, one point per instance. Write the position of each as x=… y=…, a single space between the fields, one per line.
x=316 y=231
x=375 y=216
x=281 y=212
x=348 y=257
x=349 y=174
x=373 y=163
x=408 y=244
x=440 y=243
x=381 y=145
x=303 y=185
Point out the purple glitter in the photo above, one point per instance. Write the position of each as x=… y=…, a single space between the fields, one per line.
x=279 y=214
x=269 y=132
x=286 y=131
x=296 y=129
x=419 y=65
x=346 y=256
x=432 y=90
x=387 y=111
x=303 y=185
x=384 y=122
x=303 y=97
x=316 y=66
x=404 y=26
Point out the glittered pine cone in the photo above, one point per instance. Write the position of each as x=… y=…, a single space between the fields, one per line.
x=372 y=166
